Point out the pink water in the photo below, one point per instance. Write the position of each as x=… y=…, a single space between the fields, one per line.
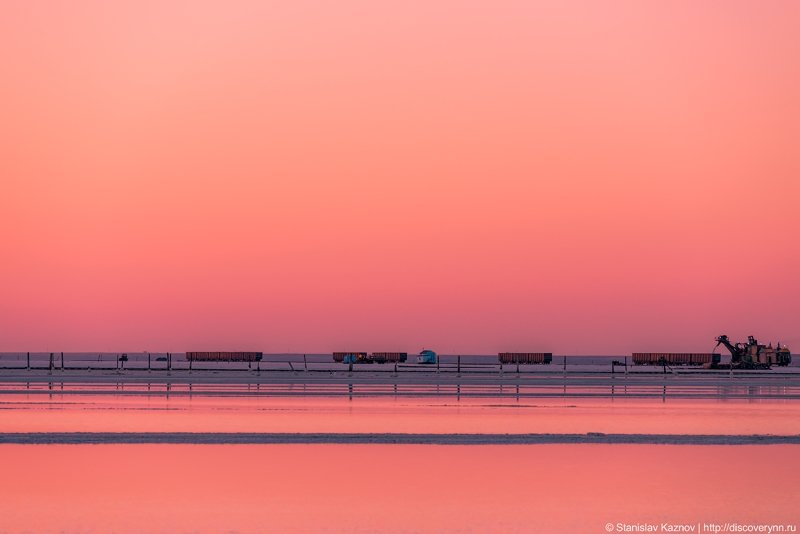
x=389 y=488
x=158 y=413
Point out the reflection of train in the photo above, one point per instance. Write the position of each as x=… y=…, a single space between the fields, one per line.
x=375 y=357
x=675 y=358
x=525 y=357
x=223 y=356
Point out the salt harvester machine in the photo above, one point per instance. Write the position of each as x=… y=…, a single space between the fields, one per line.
x=753 y=355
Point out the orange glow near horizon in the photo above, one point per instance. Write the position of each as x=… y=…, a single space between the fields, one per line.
x=576 y=177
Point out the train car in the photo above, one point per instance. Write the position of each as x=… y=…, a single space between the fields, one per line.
x=675 y=358
x=427 y=357
x=351 y=357
x=388 y=357
x=224 y=356
x=525 y=357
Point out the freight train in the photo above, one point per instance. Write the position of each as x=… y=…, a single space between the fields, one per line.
x=525 y=357
x=375 y=357
x=750 y=355
x=382 y=357
x=224 y=356
x=675 y=358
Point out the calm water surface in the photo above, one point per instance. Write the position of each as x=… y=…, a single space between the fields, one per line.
x=390 y=488
x=443 y=414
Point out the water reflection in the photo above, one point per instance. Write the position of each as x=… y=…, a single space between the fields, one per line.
x=395 y=389
x=159 y=409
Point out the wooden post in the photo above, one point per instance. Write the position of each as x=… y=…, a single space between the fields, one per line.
x=148 y=362
x=459 y=364
x=190 y=366
x=51 y=363
x=29 y=361
x=305 y=363
x=62 y=361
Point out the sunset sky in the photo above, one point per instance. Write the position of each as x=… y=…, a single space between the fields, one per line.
x=473 y=177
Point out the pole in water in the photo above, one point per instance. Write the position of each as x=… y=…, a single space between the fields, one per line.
x=62 y=361
x=459 y=364
x=51 y=363
x=29 y=360
x=148 y=362
x=305 y=363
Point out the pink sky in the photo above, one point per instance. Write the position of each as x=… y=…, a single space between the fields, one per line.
x=576 y=177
